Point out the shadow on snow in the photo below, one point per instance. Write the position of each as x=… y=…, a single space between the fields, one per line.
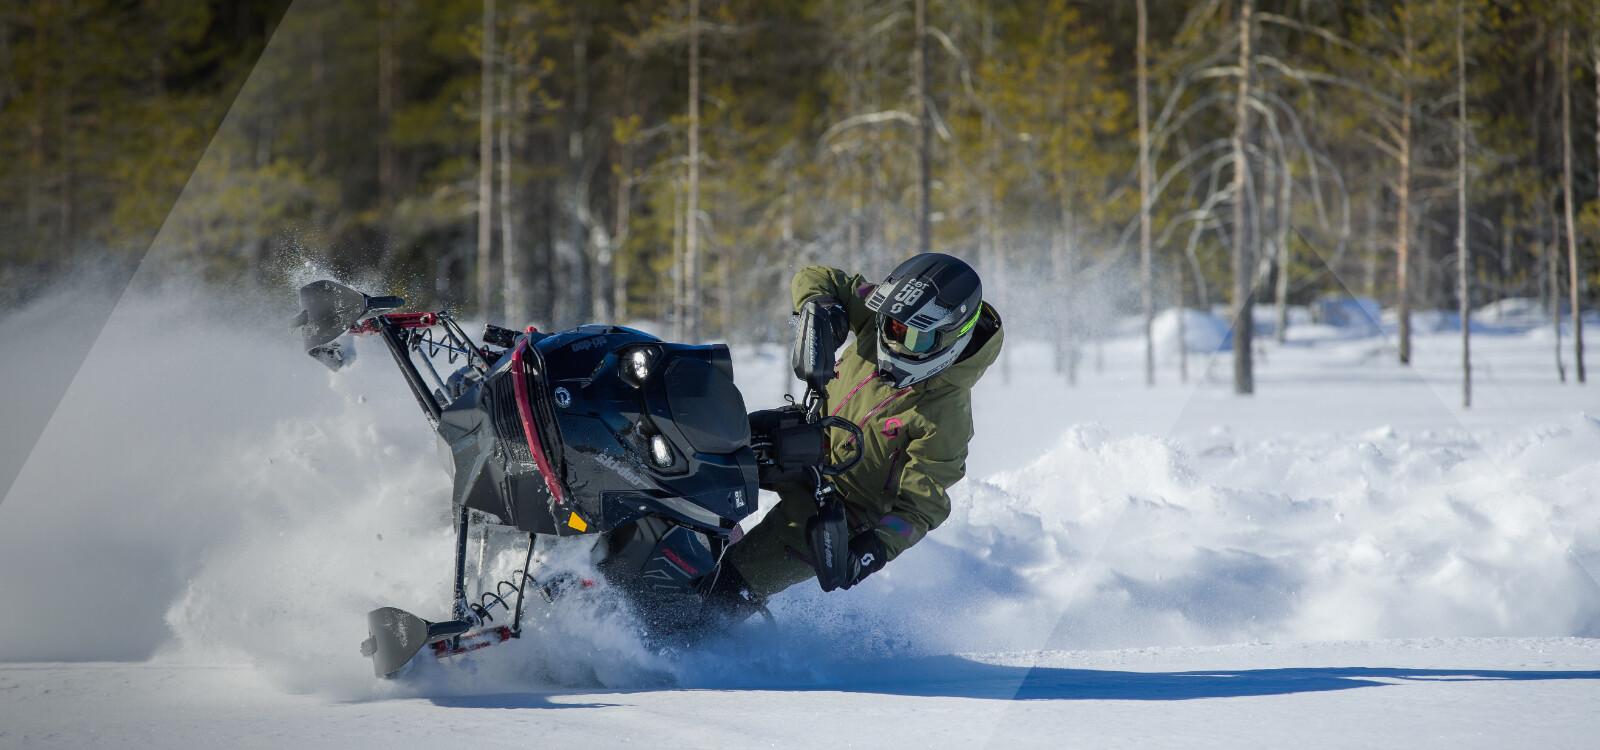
x=950 y=676
x=955 y=677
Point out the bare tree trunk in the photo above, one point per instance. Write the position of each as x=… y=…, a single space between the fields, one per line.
x=388 y=79
x=1463 y=258
x=919 y=63
x=486 y=166
x=622 y=218
x=513 y=258
x=1403 y=190
x=1369 y=281
x=1066 y=357
x=679 y=284
x=1146 y=275
x=578 y=218
x=855 y=177
x=1553 y=284
x=1284 y=203
x=1183 y=328
x=1505 y=264
x=1566 y=190
x=36 y=124
x=725 y=289
x=551 y=296
x=1243 y=286
x=64 y=96
x=1064 y=265
x=620 y=270
x=691 y=271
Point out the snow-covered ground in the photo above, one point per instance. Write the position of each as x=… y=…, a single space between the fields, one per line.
x=1346 y=558
x=1434 y=693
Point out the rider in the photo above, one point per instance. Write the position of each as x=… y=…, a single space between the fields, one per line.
x=923 y=337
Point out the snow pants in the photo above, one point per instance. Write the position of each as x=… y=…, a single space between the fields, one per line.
x=776 y=554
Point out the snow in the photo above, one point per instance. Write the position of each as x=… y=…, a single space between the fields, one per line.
x=1432 y=693
x=1347 y=557
x=1201 y=332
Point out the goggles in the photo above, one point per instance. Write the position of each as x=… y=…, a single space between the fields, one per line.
x=909 y=340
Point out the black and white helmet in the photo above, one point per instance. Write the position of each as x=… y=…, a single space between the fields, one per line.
x=926 y=311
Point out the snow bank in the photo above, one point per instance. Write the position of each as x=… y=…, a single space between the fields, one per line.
x=1125 y=541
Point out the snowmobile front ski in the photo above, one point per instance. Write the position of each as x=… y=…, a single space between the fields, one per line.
x=395 y=636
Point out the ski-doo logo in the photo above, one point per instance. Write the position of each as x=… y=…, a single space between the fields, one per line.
x=867 y=560
x=621 y=469
x=911 y=291
x=563 y=398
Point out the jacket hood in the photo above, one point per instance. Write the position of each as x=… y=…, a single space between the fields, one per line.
x=988 y=337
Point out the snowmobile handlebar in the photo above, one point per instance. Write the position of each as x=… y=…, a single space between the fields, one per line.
x=385 y=303
x=854 y=430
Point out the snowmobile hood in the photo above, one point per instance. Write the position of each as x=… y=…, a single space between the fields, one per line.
x=987 y=338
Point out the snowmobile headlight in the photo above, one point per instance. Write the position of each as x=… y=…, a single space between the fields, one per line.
x=660 y=451
x=637 y=364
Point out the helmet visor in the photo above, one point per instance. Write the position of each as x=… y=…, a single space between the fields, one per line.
x=907 y=338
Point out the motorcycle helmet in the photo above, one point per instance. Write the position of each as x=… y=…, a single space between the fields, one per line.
x=926 y=310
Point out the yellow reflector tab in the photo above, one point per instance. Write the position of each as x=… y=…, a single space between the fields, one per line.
x=577 y=523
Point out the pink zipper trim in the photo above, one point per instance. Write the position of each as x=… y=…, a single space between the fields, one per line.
x=874 y=410
x=852 y=393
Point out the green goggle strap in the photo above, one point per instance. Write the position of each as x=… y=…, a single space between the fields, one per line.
x=967 y=326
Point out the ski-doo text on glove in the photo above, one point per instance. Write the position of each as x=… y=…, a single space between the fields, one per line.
x=840 y=565
x=821 y=324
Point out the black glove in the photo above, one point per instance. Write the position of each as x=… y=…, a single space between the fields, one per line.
x=867 y=556
x=864 y=555
x=821 y=325
x=830 y=310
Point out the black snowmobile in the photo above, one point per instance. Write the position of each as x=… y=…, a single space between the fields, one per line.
x=598 y=430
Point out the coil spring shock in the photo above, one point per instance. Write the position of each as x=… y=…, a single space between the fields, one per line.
x=483 y=608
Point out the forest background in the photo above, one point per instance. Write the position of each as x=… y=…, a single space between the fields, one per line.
x=674 y=161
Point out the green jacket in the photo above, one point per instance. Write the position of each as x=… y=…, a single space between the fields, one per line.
x=916 y=437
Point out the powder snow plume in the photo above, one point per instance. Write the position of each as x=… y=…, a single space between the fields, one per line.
x=206 y=492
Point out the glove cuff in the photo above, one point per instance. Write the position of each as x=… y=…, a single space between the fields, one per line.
x=868 y=554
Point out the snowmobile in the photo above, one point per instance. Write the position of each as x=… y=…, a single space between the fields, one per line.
x=599 y=430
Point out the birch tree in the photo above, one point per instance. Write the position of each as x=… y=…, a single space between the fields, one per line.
x=919 y=64
x=1146 y=275
x=485 y=265
x=690 y=325
x=1243 y=288
x=1568 y=209
x=1463 y=258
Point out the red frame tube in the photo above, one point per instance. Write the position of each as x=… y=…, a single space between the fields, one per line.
x=398 y=320
x=499 y=634
x=525 y=411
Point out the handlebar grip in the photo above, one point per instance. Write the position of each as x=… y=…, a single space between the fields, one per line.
x=385 y=303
